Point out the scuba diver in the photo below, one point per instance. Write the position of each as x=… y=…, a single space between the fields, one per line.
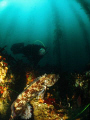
x=33 y=52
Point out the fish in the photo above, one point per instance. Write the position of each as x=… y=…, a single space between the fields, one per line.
x=34 y=90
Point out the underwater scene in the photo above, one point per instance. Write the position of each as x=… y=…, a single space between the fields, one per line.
x=44 y=59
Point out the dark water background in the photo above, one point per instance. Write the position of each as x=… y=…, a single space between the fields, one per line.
x=61 y=25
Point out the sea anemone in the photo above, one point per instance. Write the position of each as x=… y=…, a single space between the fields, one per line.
x=27 y=113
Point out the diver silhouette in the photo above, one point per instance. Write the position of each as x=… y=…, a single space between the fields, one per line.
x=33 y=52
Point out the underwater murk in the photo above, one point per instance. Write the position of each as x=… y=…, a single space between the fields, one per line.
x=44 y=59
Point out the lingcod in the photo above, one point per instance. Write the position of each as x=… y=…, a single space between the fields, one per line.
x=37 y=87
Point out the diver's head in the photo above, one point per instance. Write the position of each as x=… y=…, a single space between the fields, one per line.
x=42 y=51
